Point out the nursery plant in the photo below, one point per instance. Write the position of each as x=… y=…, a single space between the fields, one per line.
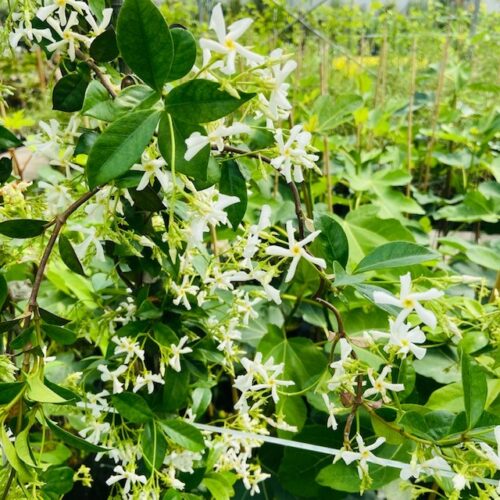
x=208 y=291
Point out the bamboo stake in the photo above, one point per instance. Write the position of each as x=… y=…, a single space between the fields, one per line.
x=326 y=150
x=411 y=101
x=435 y=115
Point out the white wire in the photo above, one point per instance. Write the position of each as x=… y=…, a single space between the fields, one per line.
x=326 y=450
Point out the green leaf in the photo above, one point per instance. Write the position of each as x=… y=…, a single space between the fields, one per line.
x=201 y=101
x=5 y=326
x=4 y=291
x=104 y=47
x=220 y=485
x=23 y=448
x=51 y=318
x=198 y=165
x=23 y=338
x=145 y=42
x=475 y=389
x=22 y=228
x=304 y=362
x=201 y=397
x=61 y=335
x=184 y=53
x=5 y=169
x=120 y=146
x=395 y=254
x=331 y=243
x=97 y=103
x=132 y=407
x=69 y=92
x=68 y=255
x=333 y=112
x=38 y=391
x=154 y=445
x=232 y=183
x=8 y=391
x=431 y=425
x=58 y=481
x=183 y=434
x=9 y=451
x=175 y=390
x=73 y=440
x=8 y=140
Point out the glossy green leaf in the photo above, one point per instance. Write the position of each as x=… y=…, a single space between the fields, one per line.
x=104 y=47
x=198 y=165
x=8 y=391
x=22 y=228
x=184 y=53
x=475 y=389
x=220 y=485
x=4 y=291
x=176 y=389
x=120 y=146
x=232 y=183
x=132 y=407
x=51 y=318
x=201 y=101
x=97 y=103
x=58 y=481
x=68 y=255
x=8 y=140
x=333 y=112
x=145 y=42
x=6 y=326
x=23 y=449
x=331 y=243
x=395 y=254
x=23 y=338
x=5 y=169
x=73 y=440
x=38 y=391
x=201 y=397
x=183 y=434
x=154 y=445
x=61 y=335
x=10 y=453
x=69 y=92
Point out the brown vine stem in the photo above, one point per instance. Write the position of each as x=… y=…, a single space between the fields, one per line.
x=95 y=68
x=293 y=187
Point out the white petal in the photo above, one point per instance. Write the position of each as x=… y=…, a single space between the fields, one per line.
x=291 y=270
x=425 y=315
x=405 y=285
x=386 y=298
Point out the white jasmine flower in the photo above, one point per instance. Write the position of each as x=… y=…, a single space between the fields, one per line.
x=147 y=379
x=25 y=29
x=338 y=366
x=226 y=43
x=196 y=141
x=363 y=455
x=126 y=345
x=131 y=478
x=380 y=385
x=409 y=301
x=107 y=375
x=94 y=431
x=60 y=5
x=181 y=291
x=431 y=466
x=406 y=338
x=81 y=248
x=68 y=37
x=96 y=403
x=208 y=209
x=177 y=350
x=153 y=169
x=330 y=408
x=293 y=154
x=253 y=238
x=182 y=460
x=460 y=482
x=492 y=455
x=296 y=251
x=98 y=29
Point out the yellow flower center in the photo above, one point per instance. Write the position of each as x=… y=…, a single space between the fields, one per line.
x=229 y=44
x=61 y=3
x=408 y=303
x=149 y=168
x=295 y=250
x=405 y=342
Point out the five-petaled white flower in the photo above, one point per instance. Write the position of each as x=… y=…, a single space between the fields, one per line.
x=226 y=43
x=177 y=350
x=129 y=476
x=293 y=154
x=380 y=385
x=196 y=141
x=409 y=301
x=60 y=5
x=68 y=37
x=431 y=466
x=363 y=454
x=25 y=29
x=125 y=345
x=93 y=432
x=147 y=379
x=153 y=169
x=107 y=375
x=181 y=291
x=98 y=29
x=330 y=408
x=296 y=251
